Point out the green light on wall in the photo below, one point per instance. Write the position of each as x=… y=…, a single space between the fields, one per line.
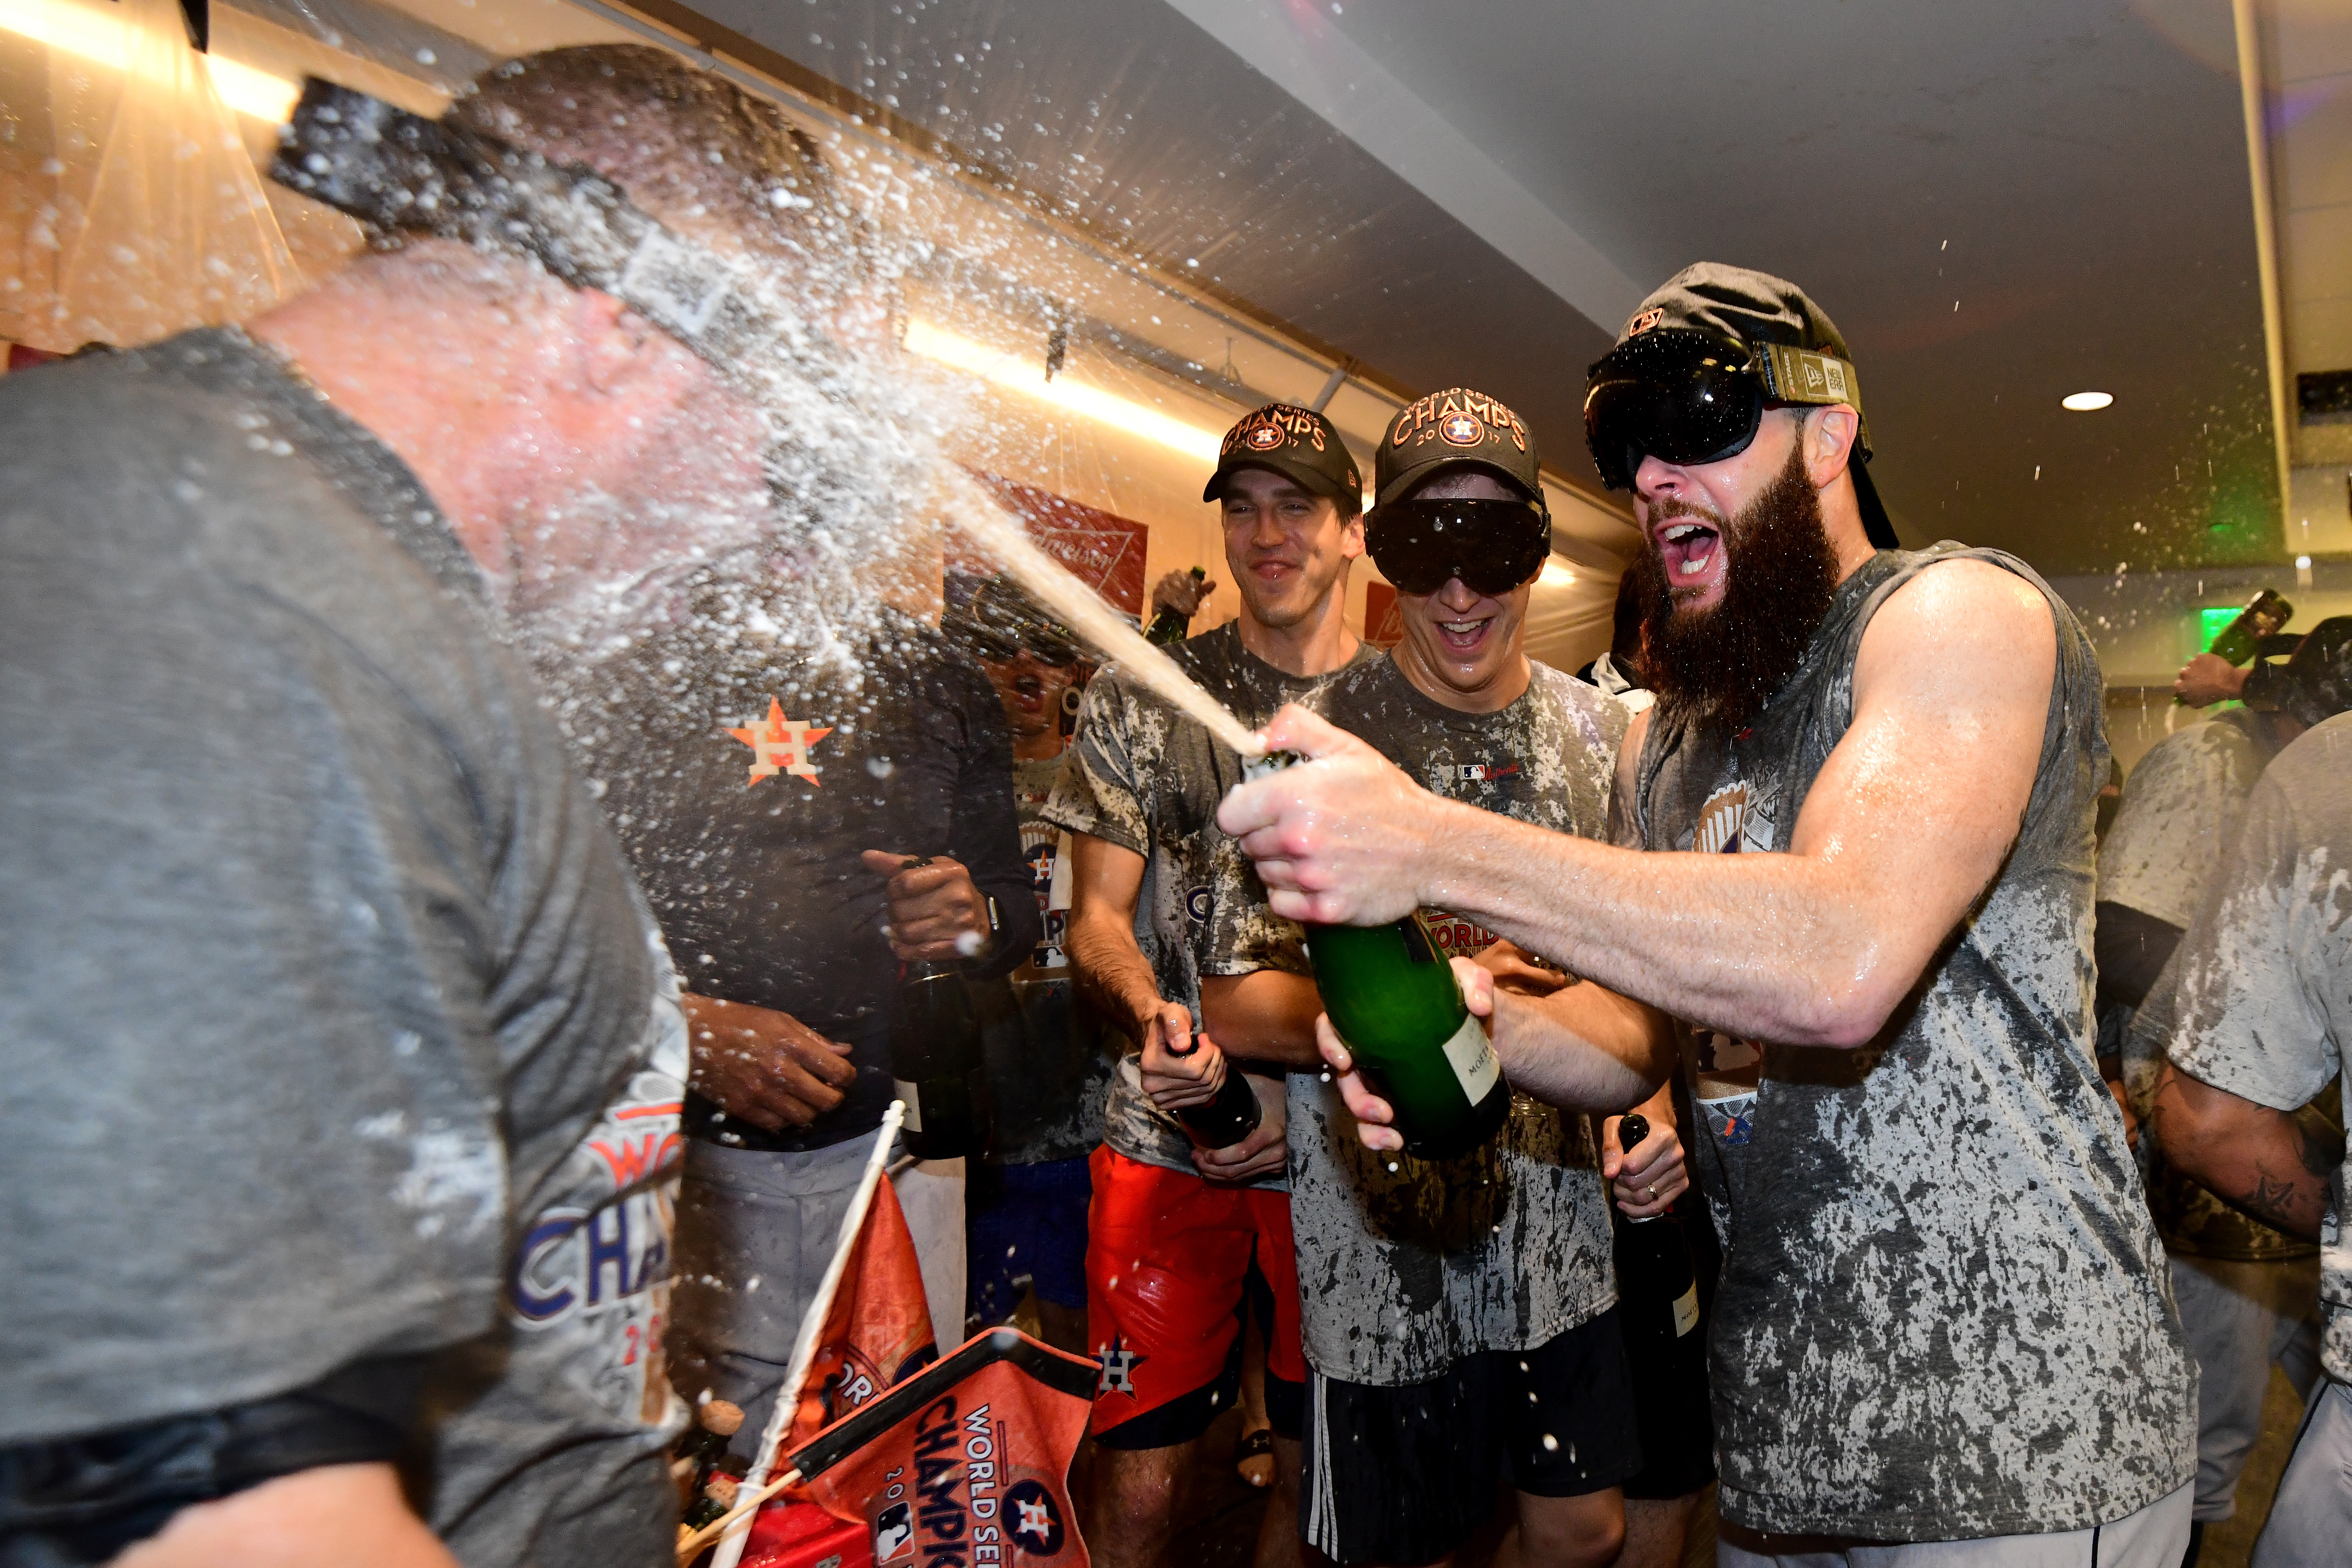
x=2213 y=623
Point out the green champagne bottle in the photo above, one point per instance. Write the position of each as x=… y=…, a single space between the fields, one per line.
x=1172 y=625
x=1392 y=998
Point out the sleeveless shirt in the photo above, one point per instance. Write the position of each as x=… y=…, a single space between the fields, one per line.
x=1944 y=1312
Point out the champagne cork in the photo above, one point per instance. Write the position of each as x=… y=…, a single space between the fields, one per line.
x=721 y=1416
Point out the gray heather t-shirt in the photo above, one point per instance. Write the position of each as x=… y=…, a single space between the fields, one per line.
x=1943 y=1313
x=1407 y=1266
x=2179 y=808
x=335 y=1027
x=1141 y=775
x=2180 y=812
x=2261 y=1004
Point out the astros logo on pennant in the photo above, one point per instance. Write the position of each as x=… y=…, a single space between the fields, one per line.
x=780 y=745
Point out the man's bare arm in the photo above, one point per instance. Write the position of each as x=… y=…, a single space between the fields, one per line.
x=1266 y=1016
x=1107 y=880
x=2250 y=1156
x=1906 y=825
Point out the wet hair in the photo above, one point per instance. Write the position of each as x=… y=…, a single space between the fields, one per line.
x=691 y=148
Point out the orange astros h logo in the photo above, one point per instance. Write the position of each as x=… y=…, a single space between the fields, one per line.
x=1266 y=437
x=1462 y=429
x=780 y=745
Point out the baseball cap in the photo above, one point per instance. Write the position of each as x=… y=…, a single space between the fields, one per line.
x=1790 y=343
x=1296 y=443
x=1455 y=428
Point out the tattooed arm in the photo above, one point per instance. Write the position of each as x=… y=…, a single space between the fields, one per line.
x=2252 y=1157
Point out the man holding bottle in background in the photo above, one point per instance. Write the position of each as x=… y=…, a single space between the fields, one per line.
x=1459 y=1314
x=1904 y=749
x=1180 y=1235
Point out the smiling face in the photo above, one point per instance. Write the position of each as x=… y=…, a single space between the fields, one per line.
x=1462 y=647
x=1287 y=547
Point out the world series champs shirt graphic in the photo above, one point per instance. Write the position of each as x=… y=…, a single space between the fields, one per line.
x=590 y=1280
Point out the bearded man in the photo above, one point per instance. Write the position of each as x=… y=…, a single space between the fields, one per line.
x=1943 y=1321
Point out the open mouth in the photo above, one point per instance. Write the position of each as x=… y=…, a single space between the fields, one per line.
x=1030 y=691
x=1463 y=638
x=1692 y=553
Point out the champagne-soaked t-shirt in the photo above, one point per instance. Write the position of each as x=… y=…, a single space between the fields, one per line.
x=2180 y=812
x=1139 y=775
x=335 y=1027
x=2262 y=987
x=1407 y=1266
x=1943 y=1311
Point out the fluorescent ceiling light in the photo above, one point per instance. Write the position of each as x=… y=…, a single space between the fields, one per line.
x=1026 y=375
x=105 y=40
x=2086 y=402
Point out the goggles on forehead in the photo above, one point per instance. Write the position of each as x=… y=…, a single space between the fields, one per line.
x=1688 y=397
x=1493 y=546
x=404 y=173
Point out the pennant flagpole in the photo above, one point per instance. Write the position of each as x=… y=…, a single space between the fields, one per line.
x=788 y=1395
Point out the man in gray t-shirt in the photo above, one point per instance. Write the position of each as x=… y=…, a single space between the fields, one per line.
x=1458 y=1315
x=1180 y=1239
x=356 y=1057
x=2261 y=1010
x=2247 y=1292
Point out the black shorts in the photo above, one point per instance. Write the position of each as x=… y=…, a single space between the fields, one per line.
x=1405 y=1474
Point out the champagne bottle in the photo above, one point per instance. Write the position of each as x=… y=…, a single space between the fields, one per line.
x=1171 y=624
x=936 y=1063
x=1391 y=995
x=1657 y=1289
x=705 y=1442
x=2265 y=614
x=715 y=1503
x=1226 y=1120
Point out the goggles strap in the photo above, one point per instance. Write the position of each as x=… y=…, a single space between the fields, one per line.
x=403 y=173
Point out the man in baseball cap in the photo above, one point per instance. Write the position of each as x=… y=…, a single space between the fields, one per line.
x=1865 y=796
x=1185 y=1243
x=1448 y=1352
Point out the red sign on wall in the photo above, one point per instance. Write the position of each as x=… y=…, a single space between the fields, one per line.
x=1103 y=549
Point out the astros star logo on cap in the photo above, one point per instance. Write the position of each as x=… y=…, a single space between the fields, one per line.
x=1462 y=429
x=1264 y=437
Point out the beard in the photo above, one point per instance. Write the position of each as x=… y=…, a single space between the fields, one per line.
x=1721 y=666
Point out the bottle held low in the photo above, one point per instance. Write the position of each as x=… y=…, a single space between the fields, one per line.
x=937 y=1064
x=1656 y=1285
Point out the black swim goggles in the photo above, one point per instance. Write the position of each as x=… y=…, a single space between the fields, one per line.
x=1493 y=546
x=1688 y=397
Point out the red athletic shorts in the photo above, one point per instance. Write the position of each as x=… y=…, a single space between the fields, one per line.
x=1173 y=1262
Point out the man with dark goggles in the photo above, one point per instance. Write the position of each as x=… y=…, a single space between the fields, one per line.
x=1521 y=1336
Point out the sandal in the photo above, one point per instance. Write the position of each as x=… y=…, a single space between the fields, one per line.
x=1253 y=1457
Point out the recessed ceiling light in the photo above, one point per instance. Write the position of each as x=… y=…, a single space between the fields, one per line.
x=2086 y=402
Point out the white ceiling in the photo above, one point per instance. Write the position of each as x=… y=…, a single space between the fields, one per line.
x=2070 y=174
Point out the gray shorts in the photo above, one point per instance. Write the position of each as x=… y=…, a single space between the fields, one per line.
x=2312 y=1513
x=2154 y=1537
x=755 y=1230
